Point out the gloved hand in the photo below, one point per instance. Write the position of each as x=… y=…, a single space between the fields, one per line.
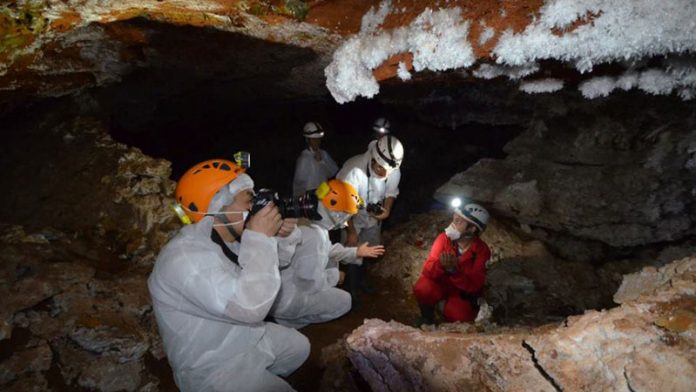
x=448 y=262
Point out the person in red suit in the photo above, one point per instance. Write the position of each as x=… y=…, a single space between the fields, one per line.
x=455 y=271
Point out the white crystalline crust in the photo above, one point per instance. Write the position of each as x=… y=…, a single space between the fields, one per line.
x=548 y=85
x=679 y=77
x=617 y=30
x=437 y=40
x=580 y=32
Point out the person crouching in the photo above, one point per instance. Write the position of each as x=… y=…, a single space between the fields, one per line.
x=455 y=271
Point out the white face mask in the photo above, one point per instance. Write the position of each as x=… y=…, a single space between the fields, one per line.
x=332 y=220
x=452 y=233
x=245 y=214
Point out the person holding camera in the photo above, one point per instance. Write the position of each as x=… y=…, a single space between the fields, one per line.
x=369 y=173
x=314 y=165
x=455 y=271
x=213 y=284
x=307 y=293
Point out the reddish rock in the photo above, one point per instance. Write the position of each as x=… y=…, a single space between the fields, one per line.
x=648 y=343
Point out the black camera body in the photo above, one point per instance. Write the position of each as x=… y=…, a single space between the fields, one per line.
x=303 y=206
x=375 y=208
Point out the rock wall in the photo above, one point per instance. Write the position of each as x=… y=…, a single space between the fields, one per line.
x=526 y=284
x=648 y=343
x=89 y=215
x=612 y=173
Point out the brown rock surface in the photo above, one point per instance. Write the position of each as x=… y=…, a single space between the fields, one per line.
x=648 y=343
x=78 y=289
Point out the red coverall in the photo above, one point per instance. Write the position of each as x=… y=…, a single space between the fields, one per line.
x=435 y=285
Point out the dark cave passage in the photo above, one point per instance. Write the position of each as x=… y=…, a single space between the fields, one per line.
x=189 y=128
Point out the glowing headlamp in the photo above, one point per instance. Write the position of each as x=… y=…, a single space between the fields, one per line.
x=181 y=214
x=242 y=159
x=456 y=202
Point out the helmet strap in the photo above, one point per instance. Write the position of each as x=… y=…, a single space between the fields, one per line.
x=389 y=160
x=228 y=226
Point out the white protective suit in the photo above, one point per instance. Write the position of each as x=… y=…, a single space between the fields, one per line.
x=210 y=313
x=372 y=189
x=308 y=294
x=309 y=172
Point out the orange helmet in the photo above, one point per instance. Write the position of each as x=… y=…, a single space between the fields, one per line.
x=199 y=184
x=339 y=196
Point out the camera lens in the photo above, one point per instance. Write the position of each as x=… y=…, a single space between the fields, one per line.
x=303 y=206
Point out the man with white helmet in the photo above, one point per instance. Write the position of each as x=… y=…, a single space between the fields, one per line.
x=369 y=174
x=314 y=165
x=214 y=283
x=308 y=294
x=382 y=127
x=455 y=271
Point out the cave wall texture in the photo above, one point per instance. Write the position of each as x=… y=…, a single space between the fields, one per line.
x=596 y=181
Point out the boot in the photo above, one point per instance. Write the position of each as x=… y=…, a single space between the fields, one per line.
x=353 y=284
x=362 y=281
x=427 y=315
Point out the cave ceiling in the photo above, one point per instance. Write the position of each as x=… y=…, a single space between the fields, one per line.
x=346 y=48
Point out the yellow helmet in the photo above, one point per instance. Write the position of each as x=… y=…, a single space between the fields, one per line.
x=339 y=196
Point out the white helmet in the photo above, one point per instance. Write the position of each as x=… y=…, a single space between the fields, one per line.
x=381 y=126
x=312 y=130
x=388 y=152
x=475 y=214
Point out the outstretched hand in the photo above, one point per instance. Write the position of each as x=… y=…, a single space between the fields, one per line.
x=365 y=250
x=267 y=221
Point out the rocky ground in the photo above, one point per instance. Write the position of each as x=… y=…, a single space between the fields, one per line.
x=647 y=343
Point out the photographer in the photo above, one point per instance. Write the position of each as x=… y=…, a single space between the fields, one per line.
x=214 y=283
x=455 y=270
x=369 y=174
x=307 y=294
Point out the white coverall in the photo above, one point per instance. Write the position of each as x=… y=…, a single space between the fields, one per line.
x=372 y=189
x=309 y=172
x=307 y=293
x=210 y=313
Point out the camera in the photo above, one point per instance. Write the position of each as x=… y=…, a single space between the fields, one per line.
x=303 y=206
x=375 y=208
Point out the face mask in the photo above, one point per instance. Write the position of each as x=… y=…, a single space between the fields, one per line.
x=245 y=214
x=452 y=233
x=332 y=220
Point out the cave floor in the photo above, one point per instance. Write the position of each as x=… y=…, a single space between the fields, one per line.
x=388 y=303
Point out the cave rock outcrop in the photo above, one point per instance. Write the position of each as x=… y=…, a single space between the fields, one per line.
x=648 y=343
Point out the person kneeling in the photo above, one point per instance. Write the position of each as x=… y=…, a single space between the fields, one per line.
x=307 y=294
x=455 y=271
x=214 y=283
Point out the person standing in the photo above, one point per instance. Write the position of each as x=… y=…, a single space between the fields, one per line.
x=369 y=174
x=314 y=165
